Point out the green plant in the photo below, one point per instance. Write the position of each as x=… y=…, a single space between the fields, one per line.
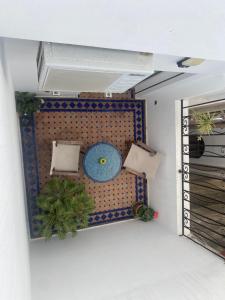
x=204 y=122
x=65 y=206
x=27 y=103
x=143 y=212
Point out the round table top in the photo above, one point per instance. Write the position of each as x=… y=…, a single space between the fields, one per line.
x=102 y=162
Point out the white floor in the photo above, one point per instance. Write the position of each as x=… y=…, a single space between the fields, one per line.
x=130 y=260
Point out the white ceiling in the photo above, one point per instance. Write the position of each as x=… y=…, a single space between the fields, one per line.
x=175 y=27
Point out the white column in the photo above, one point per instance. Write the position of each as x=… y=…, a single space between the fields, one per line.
x=14 y=251
x=186 y=168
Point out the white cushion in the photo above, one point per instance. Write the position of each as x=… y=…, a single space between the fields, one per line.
x=65 y=157
x=140 y=160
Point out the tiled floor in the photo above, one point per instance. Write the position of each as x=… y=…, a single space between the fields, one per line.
x=88 y=127
x=90 y=120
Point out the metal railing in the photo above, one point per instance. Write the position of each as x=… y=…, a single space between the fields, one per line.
x=203 y=181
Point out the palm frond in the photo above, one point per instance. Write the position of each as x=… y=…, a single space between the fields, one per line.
x=65 y=206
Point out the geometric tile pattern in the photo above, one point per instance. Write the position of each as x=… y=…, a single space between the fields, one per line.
x=29 y=145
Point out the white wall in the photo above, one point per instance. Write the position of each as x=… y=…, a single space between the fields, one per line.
x=182 y=28
x=127 y=261
x=162 y=62
x=22 y=56
x=161 y=135
x=14 y=254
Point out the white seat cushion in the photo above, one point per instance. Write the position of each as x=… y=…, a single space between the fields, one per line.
x=140 y=160
x=65 y=157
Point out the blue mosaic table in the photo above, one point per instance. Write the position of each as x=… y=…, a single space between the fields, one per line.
x=102 y=162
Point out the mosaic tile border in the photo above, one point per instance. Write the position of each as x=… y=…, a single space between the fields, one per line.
x=27 y=126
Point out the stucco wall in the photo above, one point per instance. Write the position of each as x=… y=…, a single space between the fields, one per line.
x=162 y=126
x=176 y=28
x=131 y=260
x=14 y=254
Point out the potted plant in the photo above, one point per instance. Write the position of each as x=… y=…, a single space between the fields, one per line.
x=196 y=146
x=27 y=104
x=143 y=212
x=204 y=122
x=65 y=206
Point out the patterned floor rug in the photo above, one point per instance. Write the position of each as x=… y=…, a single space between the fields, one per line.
x=118 y=122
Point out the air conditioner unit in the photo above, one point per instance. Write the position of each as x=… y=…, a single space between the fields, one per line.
x=87 y=69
